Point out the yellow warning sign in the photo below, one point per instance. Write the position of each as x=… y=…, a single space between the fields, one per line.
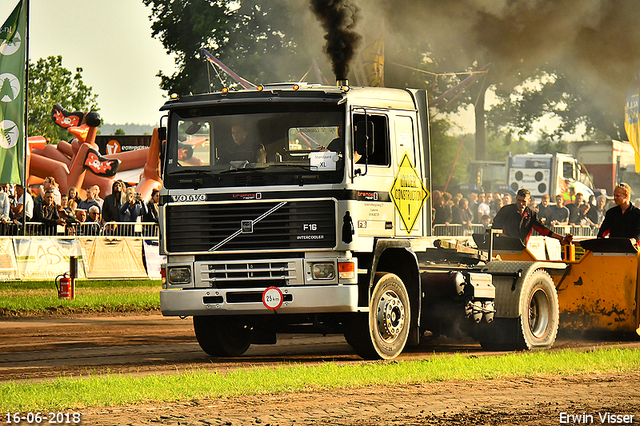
x=408 y=193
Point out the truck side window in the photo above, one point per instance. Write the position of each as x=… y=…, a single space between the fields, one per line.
x=193 y=143
x=377 y=129
x=568 y=170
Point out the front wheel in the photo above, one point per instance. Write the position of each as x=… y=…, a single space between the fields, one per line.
x=222 y=336
x=383 y=335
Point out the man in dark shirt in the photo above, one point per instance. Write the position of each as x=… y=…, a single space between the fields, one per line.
x=559 y=214
x=544 y=209
x=623 y=220
x=47 y=214
x=518 y=220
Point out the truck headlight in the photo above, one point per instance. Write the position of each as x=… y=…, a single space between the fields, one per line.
x=323 y=271
x=180 y=275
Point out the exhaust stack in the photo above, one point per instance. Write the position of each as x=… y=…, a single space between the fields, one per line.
x=342 y=82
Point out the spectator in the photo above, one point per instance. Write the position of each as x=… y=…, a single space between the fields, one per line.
x=544 y=209
x=73 y=194
x=483 y=207
x=5 y=206
x=92 y=224
x=113 y=201
x=5 y=212
x=152 y=207
x=596 y=214
x=462 y=215
x=93 y=215
x=49 y=184
x=533 y=205
x=23 y=210
x=583 y=217
x=574 y=208
x=47 y=214
x=485 y=220
x=506 y=199
x=473 y=206
x=496 y=205
x=96 y=195
x=92 y=191
x=559 y=213
x=81 y=216
x=133 y=208
x=443 y=215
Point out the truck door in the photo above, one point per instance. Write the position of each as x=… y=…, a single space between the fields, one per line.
x=408 y=192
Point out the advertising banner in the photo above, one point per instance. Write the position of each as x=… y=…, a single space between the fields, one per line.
x=8 y=268
x=113 y=258
x=153 y=258
x=46 y=258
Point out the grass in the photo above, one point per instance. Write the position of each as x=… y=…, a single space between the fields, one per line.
x=109 y=390
x=40 y=297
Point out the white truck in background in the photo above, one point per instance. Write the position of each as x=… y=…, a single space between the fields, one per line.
x=550 y=174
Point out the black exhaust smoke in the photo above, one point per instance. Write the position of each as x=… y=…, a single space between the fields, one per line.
x=338 y=18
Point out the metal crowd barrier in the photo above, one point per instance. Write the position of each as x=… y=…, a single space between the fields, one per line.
x=110 y=229
x=457 y=230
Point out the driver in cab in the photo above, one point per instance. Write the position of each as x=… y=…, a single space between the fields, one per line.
x=242 y=149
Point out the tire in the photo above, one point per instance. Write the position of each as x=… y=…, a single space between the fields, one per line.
x=540 y=316
x=383 y=333
x=537 y=326
x=222 y=336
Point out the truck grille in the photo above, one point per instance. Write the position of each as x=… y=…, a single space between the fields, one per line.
x=249 y=274
x=221 y=227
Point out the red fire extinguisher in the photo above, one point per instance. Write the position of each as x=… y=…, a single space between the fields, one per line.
x=65 y=286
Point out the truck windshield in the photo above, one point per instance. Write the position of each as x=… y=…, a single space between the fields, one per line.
x=290 y=142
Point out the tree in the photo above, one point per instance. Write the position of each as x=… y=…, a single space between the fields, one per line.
x=259 y=40
x=49 y=84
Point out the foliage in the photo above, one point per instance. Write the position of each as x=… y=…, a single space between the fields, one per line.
x=49 y=84
x=253 y=38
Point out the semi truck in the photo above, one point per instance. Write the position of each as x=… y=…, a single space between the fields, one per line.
x=551 y=174
x=325 y=227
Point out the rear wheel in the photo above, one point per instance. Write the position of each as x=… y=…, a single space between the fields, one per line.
x=383 y=333
x=540 y=312
x=222 y=336
x=537 y=326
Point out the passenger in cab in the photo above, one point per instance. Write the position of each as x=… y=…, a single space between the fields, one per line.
x=623 y=220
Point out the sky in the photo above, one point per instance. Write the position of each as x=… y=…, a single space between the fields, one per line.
x=111 y=41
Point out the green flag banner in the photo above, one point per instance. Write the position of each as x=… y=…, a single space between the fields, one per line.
x=12 y=94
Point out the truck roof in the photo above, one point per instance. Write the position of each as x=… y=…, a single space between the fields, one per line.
x=373 y=97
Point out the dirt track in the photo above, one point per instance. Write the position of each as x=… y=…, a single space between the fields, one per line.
x=41 y=348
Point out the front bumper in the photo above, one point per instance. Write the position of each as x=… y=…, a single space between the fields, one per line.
x=248 y=301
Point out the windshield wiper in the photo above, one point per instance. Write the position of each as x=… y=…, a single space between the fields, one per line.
x=187 y=171
x=243 y=169
x=297 y=166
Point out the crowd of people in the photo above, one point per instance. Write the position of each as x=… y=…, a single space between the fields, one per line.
x=45 y=210
x=481 y=208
